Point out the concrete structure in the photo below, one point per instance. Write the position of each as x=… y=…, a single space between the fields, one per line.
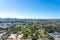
x=12 y=36
x=15 y=37
x=20 y=37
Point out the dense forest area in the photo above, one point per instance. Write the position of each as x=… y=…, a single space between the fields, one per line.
x=35 y=29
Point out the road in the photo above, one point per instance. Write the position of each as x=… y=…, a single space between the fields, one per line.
x=55 y=36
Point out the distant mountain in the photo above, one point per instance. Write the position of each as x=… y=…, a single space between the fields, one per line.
x=28 y=20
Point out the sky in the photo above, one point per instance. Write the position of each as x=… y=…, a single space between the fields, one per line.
x=39 y=9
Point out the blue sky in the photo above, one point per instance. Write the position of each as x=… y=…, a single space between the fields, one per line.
x=44 y=9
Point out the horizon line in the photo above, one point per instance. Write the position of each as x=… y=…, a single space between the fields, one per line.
x=31 y=18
